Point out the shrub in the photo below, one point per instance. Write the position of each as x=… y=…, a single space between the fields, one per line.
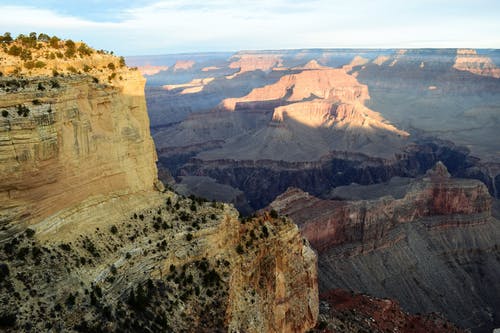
x=265 y=232
x=239 y=249
x=22 y=111
x=30 y=232
x=65 y=247
x=84 y=50
x=43 y=38
x=273 y=214
x=114 y=230
x=8 y=319
x=111 y=66
x=54 y=42
x=40 y=64
x=4 y=271
x=14 y=51
x=6 y=38
x=72 y=69
x=70 y=301
x=5 y=113
x=189 y=237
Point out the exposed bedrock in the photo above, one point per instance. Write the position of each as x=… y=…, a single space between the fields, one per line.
x=263 y=180
x=434 y=250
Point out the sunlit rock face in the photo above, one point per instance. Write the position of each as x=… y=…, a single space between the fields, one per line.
x=251 y=62
x=182 y=65
x=78 y=138
x=87 y=231
x=469 y=60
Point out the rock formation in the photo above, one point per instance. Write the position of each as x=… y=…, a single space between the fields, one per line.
x=181 y=65
x=434 y=250
x=345 y=312
x=90 y=240
x=469 y=60
x=76 y=134
x=149 y=70
x=251 y=62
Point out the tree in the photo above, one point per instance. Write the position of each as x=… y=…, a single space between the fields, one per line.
x=43 y=38
x=54 y=42
x=7 y=38
x=71 y=48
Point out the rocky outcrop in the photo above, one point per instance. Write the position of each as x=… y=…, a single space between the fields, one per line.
x=183 y=65
x=332 y=223
x=73 y=135
x=274 y=287
x=151 y=70
x=176 y=265
x=254 y=61
x=469 y=60
x=345 y=312
x=326 y=83
x=433 y=250
x=90 y=240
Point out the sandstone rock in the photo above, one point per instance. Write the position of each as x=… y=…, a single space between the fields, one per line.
x=78 y=139
x=469 y=60
x=252 y=62
x=107 y=252
x=413 y=249
x=181 y=65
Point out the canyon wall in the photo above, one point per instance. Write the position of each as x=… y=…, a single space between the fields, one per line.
x=434 y=250
x=91 y=241
x=65 y=139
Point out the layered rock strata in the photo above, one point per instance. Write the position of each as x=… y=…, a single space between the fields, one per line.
x=433 y=250
x=89 y=241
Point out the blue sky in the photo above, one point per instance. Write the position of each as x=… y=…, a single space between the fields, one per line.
x=176 y=26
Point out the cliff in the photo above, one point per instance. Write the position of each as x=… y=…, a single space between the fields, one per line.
x=323 y=83
x=433 y=250
x=179 y=264
x=90 y=240
x=469 y=60
x=71 y=134
x=252 y=62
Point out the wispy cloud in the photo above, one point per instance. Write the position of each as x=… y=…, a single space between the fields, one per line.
x=166 y=26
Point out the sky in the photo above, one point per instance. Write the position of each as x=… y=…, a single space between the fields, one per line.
x=147 y=27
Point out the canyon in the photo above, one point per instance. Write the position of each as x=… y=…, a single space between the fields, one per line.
x=342 y=141
x=431 y=243
x=365 y=185
x=286 y=112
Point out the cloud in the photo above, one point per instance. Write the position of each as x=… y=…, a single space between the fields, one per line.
x=154 y=27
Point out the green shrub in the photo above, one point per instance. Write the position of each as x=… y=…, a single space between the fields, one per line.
x=30 y=232
x=14 y=51
x=4 y=271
